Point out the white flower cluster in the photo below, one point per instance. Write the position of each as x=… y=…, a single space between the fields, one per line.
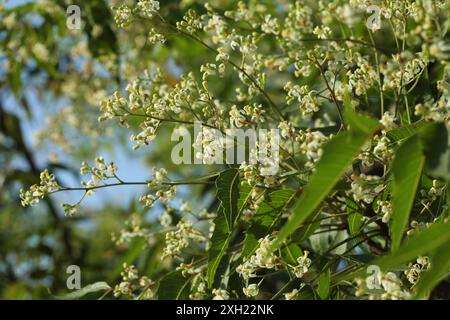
x=299 y=21
x=140 y=102
x=366 y=187
x=36 y=192
x=401 y=70
x=415 y=269
x=155 y=37
x=215 y=25
x=112 y=106
x=363 y=77
x=322 y=32
x=251 y=290
x=437 y=110
x=101 y=171
x=220 y=294
x=387 y=121
x=383 y=149
x=71 y=209
x=147 y=134
x=147 y=8
x=262 y=258
x=390 y=285
x=237 y=118
x=312 y=146
x=307 y=98
x=210 y=144
x=380 y=150
x=270 y=25
x=287 y=130
x=123 y=16
x=247 y=115
x=198 y=282
x=134 y=286
x=385 y=209
x=162 y=190
x=303 y=264
x=179 y=239
x=191 y=22
x=291 y=295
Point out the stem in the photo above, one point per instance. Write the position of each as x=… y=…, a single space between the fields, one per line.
x=132 y=183
x=380 y=79
x=341 y=116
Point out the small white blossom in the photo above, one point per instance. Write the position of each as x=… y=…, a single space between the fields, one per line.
x=220 y=294
x=36 y=192
x=122 y=16
x=291 y=295
x=147 y=8
x=303 y=265
x=251 y=290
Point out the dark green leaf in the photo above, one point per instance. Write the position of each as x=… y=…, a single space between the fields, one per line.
x=230 y=209
x=173 y=286
x=266 y=218
x=423 y=242
x=440 y=268
x=355 y=219
x=406 y=172
x=228 y=193
x=323 y=289
x=219 y=244
x=405 y=132
x=291 y=253
x=436 y=148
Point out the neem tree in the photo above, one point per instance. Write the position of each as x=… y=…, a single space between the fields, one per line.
x=360 y=92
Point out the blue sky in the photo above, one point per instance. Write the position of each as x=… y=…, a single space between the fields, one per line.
x=129 y=163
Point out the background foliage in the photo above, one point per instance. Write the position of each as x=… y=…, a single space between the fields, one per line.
x=365 y=161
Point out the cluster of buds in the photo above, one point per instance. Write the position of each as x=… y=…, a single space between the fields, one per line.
x=179 y=239
x=133 y=285
x=36 y=192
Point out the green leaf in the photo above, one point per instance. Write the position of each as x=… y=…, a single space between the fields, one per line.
x=291 y=253
x=447 y=212
x=228 y=193
x=323 y=289
x=266 y=218
x=77 y=294
x=230 y=209
x=173 y=286
x=401 y=133
x=435 y=140
x=311 y=224
x=306 y=293
x=245 y=193
x=406 y=171
x=338 y=155
x=439 y=269
x=355 y=219
x=419 y=244
x=219 y=244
